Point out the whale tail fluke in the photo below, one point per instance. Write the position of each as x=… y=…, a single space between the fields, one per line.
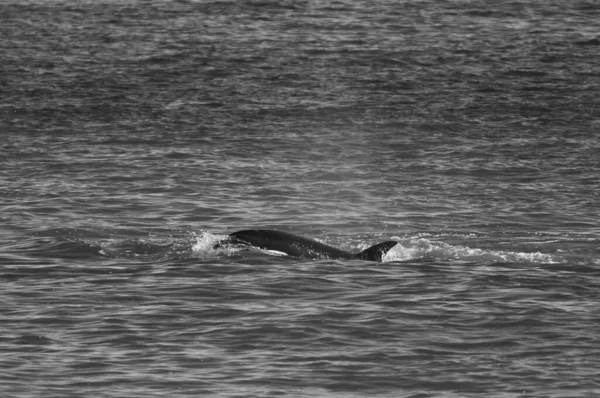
x=376 y=252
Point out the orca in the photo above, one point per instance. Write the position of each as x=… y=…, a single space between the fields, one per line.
x=299 y=246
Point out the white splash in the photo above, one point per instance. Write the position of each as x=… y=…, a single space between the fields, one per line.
x=205 y=243
x=422 y=248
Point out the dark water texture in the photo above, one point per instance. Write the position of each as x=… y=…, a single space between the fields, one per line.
x=135 y=134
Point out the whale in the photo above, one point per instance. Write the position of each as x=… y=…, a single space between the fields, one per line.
x=298 y=246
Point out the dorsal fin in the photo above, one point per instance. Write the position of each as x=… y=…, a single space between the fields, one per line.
x=376 y=252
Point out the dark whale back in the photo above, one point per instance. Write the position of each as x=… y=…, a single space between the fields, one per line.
x=299 y=246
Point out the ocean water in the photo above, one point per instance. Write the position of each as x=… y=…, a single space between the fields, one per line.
x=136 y=134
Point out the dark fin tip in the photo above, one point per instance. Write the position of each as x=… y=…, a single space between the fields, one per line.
x=376 y=252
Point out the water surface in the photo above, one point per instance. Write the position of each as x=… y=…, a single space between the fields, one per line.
x=136 y=134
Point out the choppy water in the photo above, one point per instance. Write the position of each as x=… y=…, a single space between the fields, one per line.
x=135 y=134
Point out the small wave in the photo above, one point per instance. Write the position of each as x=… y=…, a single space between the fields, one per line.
x=425 y=249
x=148 y=248
x=64 y=248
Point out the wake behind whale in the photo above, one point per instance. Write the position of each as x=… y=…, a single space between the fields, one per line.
x=299 y=246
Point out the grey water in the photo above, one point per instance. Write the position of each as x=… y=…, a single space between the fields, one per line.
x=134 y=135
